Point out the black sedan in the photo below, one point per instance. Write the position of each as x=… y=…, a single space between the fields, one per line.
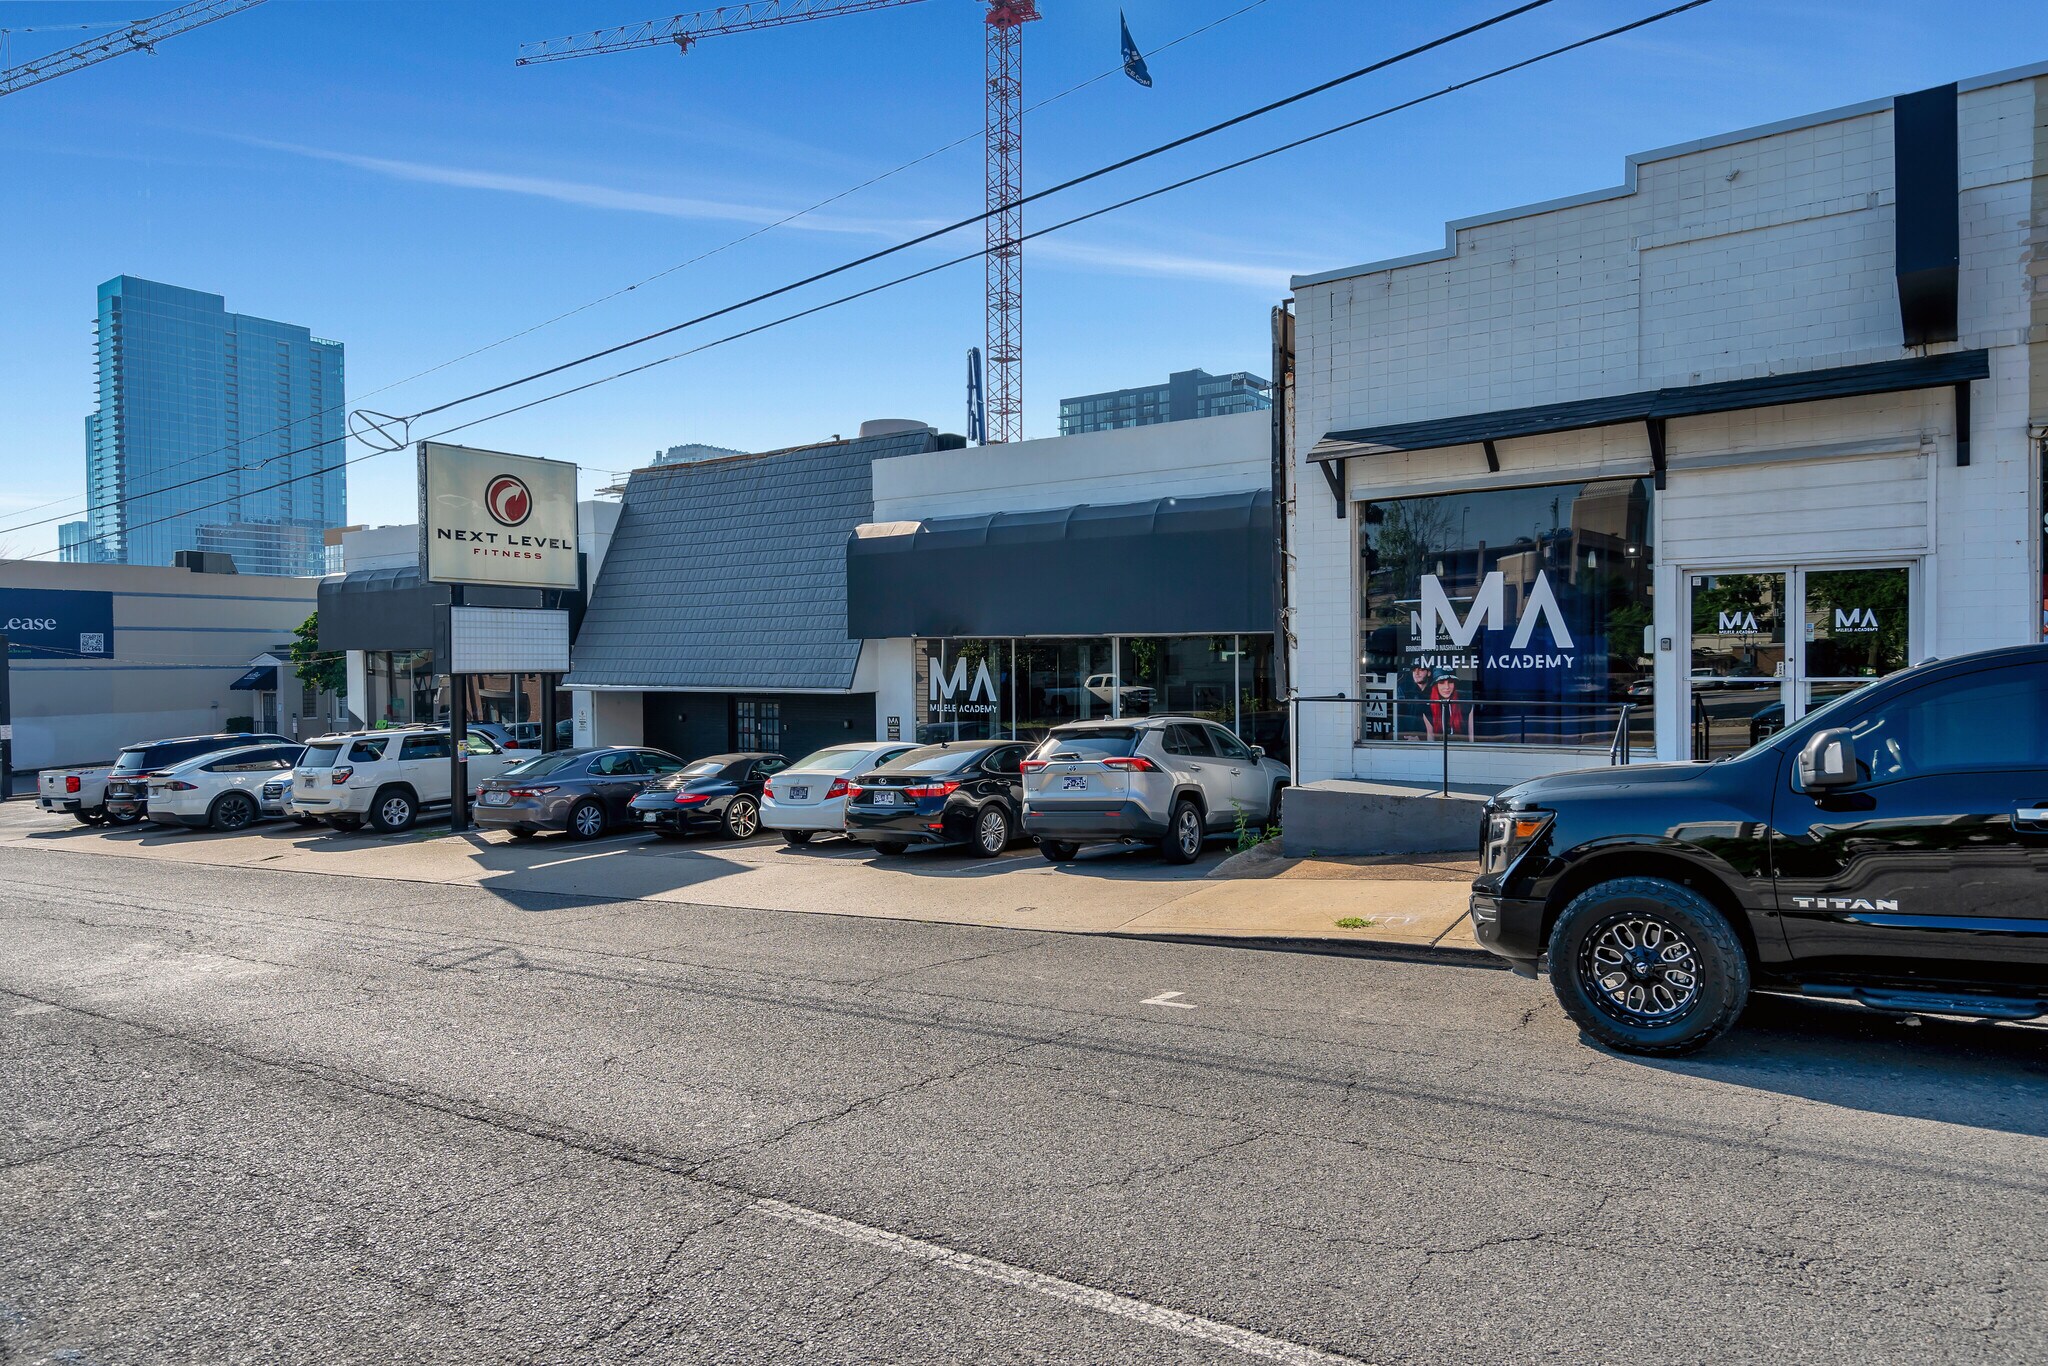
x=722 y=792
x=967 y=792
x=582 y=791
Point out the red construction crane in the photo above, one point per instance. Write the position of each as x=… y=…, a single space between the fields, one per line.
x=1003 y=126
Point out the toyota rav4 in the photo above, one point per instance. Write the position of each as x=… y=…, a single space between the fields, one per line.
x=1890 y=848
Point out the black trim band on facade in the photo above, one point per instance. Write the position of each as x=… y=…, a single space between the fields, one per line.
x=1172 y=566
x=1653 y=408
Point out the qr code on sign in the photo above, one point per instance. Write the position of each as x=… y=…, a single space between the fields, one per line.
x=92 y=642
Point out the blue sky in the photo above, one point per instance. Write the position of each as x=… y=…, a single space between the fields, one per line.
x=385 y=175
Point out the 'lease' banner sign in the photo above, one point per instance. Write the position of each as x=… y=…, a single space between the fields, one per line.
x=491 y=518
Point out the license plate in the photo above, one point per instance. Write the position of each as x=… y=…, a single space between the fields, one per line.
x=1073 y=782
x=497 y=799
x=799 y=794
x=885 y=799
x=650 y=817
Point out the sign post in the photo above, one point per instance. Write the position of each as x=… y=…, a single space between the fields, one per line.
x=6 y=725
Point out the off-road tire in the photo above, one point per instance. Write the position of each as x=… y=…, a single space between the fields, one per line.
x=991 y=832
x=581 y=825
x=1650 y=935
x=394 y=810
x=1182 y=842
x=793 y=838
x=233 y=811
x=1058 y=851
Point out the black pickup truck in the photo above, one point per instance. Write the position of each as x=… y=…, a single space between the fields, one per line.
x=1890 y=848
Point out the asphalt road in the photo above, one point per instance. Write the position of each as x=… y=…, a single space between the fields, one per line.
x=248 y=1115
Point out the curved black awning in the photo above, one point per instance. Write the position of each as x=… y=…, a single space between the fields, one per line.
x=1169 y=566
x=261 y=678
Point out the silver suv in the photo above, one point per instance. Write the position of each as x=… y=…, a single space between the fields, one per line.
x=1174 y=779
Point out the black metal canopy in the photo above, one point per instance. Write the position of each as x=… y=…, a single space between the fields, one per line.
x=1654 y=407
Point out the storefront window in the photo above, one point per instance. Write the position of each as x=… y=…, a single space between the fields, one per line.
x=1063 y=680
x=965 y=690
x=1509 y=616
x=404 y=688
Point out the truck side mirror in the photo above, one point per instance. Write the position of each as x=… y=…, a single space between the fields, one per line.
x=1258 y=751
x=1828 y=762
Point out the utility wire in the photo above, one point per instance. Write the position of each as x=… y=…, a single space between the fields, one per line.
x=972 y=256
x=620 y=292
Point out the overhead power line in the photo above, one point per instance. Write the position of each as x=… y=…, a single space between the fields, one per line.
x=620 y=292
x=1208 y=174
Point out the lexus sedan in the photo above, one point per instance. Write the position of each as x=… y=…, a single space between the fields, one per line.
x=722 y=792
x=582 y=791
x=967 y=792
x=809 y=797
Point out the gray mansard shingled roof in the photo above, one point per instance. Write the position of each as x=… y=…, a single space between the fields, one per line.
x=731 y=573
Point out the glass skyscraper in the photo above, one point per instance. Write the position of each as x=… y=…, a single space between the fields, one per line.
x=215 y=431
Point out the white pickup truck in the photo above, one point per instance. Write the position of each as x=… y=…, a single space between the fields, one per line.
x=80 y=792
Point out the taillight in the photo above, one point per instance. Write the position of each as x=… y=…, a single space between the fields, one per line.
x=691 y=799
x=1032 y=765
x=840 y=788
x=768 y=789
x=71 y=782
x=941 y=789
x=1136 y=763
x=340 y=776
x=180 y=785
x=522 y=793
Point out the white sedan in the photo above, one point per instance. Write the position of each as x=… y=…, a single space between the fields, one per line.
x=229 y=790
x=809 y=796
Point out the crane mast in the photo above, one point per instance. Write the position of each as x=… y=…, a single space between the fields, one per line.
x=1002 y=125
x=141 y=36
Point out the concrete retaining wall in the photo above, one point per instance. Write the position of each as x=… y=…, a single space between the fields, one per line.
x=1341 y=816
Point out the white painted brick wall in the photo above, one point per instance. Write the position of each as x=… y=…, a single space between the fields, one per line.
x=1752 y=255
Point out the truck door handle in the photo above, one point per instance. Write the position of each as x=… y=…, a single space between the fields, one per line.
x=2035 y=817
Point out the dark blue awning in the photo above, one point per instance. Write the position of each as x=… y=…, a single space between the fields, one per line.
x=262 y=678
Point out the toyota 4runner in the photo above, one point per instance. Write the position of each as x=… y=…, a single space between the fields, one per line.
x=1891 y=848
x=386 y=778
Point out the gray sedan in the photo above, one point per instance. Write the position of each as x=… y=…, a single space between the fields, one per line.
x=582 y=791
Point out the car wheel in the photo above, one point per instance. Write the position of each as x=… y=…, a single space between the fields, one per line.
x=991 y=832
x=1183 y=842
x=1058 y=851
x=796 y=837
x=518 y=834
x=586 y=821
x=742 y=817
x=233 y=811
x=890 y=848
x=1273 y=807
x=393 y=811
x=307 y=820
x=345 y=824
x=1647 y=966
x=88 y=817
x=121 y=817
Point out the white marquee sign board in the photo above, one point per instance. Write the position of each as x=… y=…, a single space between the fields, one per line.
x=491 y=518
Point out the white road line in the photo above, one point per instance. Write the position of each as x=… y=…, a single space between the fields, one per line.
x=1071 y=1292
x=1166 y=998
x=33 y=1010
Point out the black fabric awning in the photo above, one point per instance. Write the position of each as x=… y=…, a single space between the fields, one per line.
x=1806 y=386
x=1171 y=566
x=391 y=609
x=261 y=678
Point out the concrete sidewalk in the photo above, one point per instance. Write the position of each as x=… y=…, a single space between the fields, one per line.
x=1414 y=901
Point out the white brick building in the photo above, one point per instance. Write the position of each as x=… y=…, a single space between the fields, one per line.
x=1817 y=541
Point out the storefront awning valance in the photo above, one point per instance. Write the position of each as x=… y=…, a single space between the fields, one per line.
x=1653 y=407
x=1170 y=566
x=261 y=678
x=393 y=609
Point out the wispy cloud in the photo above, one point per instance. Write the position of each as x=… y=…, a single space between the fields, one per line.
x=1220 y=269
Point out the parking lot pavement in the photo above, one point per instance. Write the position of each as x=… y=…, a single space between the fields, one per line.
x=254 y=1116
x=1106 y=890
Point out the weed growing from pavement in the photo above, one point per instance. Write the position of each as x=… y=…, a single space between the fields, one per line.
x=1357 y=922
x=1250 y=836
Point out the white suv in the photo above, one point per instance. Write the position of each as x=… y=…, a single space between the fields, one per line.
x=386 y=777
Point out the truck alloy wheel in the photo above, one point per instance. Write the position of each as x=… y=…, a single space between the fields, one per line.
x=1648 y=966
x=393 y=811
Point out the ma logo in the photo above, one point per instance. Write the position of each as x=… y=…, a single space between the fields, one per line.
x=1744 y=622
x=945 y=688
x=1489 y=609
x=1855 y=619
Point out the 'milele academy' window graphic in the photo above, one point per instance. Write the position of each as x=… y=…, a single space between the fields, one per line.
x=1510 y=616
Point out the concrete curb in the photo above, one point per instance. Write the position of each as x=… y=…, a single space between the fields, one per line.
x=1442 y=955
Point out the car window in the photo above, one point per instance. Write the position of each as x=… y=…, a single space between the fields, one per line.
x=541 y=765
x=1227 y=745
x=655 y=762
x=1103 y=742
x=366 y=751
x=838 y=760
x=1008 y=759
x=1994 y=719
x=620 y=765
x=765 y=767
x=932 y=761
x=319 y=756
x=476 y=744
x=427 y=747
x=703 y=768
x=131 y=761
x=1182 y=738
x=890 y=756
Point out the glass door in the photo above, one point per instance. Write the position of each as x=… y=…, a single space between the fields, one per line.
x=1740 y=681
x=1858 y=627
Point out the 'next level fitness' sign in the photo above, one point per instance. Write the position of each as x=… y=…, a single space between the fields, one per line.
x=491 y=518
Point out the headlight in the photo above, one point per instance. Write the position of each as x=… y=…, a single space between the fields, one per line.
x=1508 y=835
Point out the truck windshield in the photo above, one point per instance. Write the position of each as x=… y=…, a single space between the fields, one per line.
x=319 y=756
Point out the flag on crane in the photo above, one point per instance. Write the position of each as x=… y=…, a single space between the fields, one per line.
x=1134 y=60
